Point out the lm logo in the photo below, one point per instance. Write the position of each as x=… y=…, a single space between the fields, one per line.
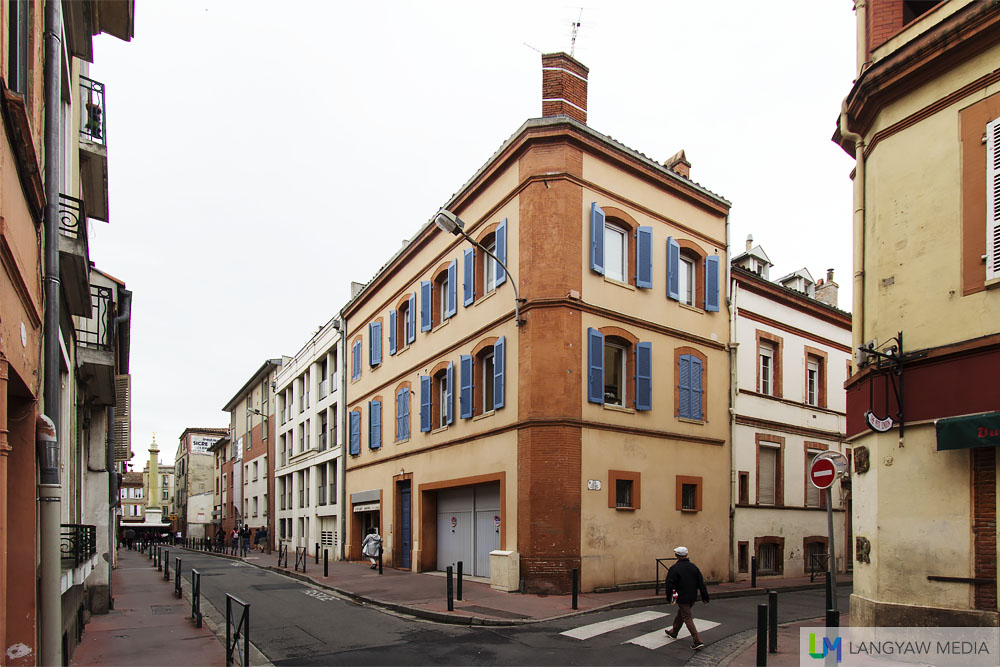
x=828 y=646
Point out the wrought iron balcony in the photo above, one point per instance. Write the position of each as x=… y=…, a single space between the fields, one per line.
x=95 y=333
x=78 y=544
x=93 y=148
x=74 y=254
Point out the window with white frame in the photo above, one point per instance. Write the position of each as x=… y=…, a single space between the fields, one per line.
x=487 y=378
x=766 y=368
x=767 y=475
x=614 y=373
x=812 y=381
x=615 y=249
x=686 y=280
x=490 y=268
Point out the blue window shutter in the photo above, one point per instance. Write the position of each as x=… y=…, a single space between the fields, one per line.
x=452 y=288
x=425 y=403
x=449 y=394
x=501 y=252
x=499 y=363
x=404 y=412
x=392 y=332
x=696 y=388
x=712 y=283
x=644 y=376
x=673 y=269
x=595 y=366
x=425 y=305
x=374 y=424
x=374 y=343
x=355 y=433
x=684 y=386
x=399 y=415
x=596 y=239
x=356 y=360
x=465 y=387
x=644 y=258
x=411 y=322
x=468 y=276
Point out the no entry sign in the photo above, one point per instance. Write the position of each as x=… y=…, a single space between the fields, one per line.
x=822 y=473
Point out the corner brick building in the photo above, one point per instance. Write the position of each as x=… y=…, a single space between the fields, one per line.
x=592 y=434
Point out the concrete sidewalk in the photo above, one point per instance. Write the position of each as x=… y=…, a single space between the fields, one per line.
x=148 y=626
x=424 y=594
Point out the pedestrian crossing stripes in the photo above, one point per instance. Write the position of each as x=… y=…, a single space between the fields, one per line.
x=595 y=629
x=651 y=640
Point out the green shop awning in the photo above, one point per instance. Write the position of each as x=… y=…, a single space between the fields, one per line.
x=971 y=431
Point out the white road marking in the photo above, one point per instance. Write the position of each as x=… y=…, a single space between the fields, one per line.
x=658 y=638
x=594 y=629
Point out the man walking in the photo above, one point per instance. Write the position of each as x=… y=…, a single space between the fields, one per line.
x=685 y=579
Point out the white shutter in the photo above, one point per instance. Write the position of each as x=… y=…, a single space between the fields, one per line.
x=767 y=462
x=993 y=199
x=123 y=417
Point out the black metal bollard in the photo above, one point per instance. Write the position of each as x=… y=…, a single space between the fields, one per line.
x=829 y=590
x=380 y=559
x=458 y=591
x=772 y=621
x=753 y=572
x=177 y=578
x=832 y=618
x=166 y=564
x=326 y=562
x=317 y=554
x=761 y=635
x=576 y=586
x=449 y=588
x=196 y=597
x=158 y=560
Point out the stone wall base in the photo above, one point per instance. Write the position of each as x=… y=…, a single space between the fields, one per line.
x=865 y=612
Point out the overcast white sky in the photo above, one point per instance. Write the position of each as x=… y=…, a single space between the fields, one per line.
x=263 y=156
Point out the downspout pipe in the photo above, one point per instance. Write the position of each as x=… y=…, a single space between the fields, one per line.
x=858 y=296
x=733 y=476
x=342 y=471
x=113 y=502
x=47 y=445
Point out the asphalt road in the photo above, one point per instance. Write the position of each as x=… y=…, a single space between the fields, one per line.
x=294 y=623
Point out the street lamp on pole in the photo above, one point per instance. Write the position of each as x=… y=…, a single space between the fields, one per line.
x=450 y=223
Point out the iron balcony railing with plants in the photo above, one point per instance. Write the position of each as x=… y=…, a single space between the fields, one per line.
x=78 y=544
x=72 y=218
x=92 y=123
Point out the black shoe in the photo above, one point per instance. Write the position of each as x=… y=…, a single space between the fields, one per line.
x=672 y=635
x=698 y=646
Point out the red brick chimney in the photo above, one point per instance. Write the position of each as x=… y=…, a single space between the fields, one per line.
x=564 y=86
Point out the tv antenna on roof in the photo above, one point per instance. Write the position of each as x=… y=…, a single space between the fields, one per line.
x=576 y=29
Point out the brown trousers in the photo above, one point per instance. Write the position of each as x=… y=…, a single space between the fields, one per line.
x=684 y=617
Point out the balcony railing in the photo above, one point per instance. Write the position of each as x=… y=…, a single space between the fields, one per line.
x=92 y=125
x=322 y=440
x=321 y=493
x=284 y=457
x=333 y=493
x=302 y=498
x=72 y=218
x=282 y=503
x=95 y=333
x=322 y=390
x=78 y=544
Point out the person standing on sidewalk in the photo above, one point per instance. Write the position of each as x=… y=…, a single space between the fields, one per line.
x=685 y=579
x=371 y=546
x=245 y=540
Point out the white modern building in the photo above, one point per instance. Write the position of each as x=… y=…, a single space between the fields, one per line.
x=791 y=357
x=309 y=470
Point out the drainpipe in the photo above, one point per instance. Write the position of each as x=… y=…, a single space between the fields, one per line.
x=344 y=509
x=49 y=491
x=858 y=297
x=860 y=8
x=47 y=445
x=733 y=476
x=112 y=501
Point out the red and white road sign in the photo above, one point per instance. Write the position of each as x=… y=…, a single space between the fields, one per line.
x=822 y=473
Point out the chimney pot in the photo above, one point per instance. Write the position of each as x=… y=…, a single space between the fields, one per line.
x=564 y=86
x=829 y=275
x=749 y=241
x=678 y=163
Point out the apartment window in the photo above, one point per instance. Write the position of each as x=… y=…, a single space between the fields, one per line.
x=255 y=506
x=333 y=426
x=769 y=364
x=17 y=39
x=615 y=252
x=691 y=373
x=770 y=555
x=815 y=378
x=403 y=414
x=487 y=373
x=686 y=280
x=613 y=356
x=356 y=359
x=375 y=343
x=744 y=487
x=815 y=553
x=246 y=474
x=688 y=491
x=770 y=476
x=375 y=423
x=437 y=397
x=402 y=324
x=333 y=482
x=623 y=490
x=321 y=485
x=354 y=446
x=490 y=268
x=443 y=393
x=322 y=432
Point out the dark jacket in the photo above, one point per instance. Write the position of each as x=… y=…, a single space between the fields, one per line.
x=685 y=578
